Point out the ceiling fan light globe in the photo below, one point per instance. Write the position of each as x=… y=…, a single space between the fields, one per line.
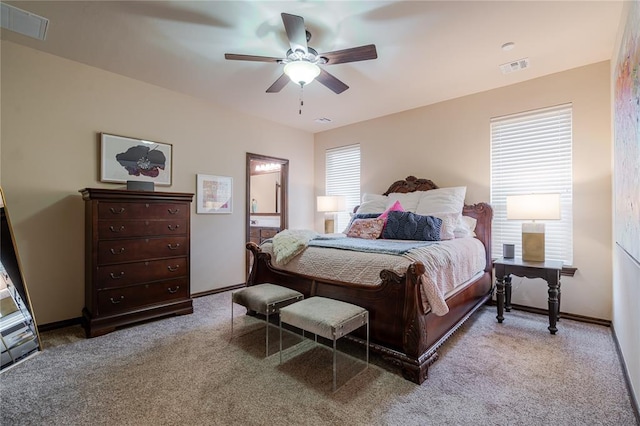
x=301 y=72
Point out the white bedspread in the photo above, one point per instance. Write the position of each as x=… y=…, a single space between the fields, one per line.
x=448 y=264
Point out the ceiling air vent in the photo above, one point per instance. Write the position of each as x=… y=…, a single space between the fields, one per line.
x=518 y=65
x=23 y=22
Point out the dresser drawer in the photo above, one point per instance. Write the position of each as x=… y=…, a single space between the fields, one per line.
x=117 y=251
x=127 y=298
x=120 y=275
x=107 y=210
x=108 y=229
x=267 y=233
x=259 y=234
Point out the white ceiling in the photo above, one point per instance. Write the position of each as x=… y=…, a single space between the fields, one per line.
x=428 y=51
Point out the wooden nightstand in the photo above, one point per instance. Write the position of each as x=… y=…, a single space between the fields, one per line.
x=548 y=271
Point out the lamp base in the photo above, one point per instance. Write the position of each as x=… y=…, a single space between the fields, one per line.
x=329 y=226
x=533 y=242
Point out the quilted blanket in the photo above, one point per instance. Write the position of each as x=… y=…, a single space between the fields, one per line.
x=447 y=265
x=291 y=242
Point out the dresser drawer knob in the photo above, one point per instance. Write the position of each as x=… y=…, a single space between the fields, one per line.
x=116 y=230
x=173 y=247
x=172 y=227
x=117 y=277
x=116 y=301
x=114 y=251
x=116 y=211
x=173 y=211
x=173 y=290
x=173 y=268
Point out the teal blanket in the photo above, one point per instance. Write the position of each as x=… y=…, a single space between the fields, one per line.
x=371 y=246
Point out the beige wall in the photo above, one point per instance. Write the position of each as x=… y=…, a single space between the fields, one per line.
x=53 y=108
x=626 y=271
x=449 y=143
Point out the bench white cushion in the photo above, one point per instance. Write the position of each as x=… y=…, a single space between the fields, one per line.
x=325 y=317
x=261 y=296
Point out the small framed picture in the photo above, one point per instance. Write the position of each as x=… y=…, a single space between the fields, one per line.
x=123 y=159
x=214 y=194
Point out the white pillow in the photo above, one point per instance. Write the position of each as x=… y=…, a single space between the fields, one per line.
x=409 y=200
x=465 y=227
x=442 y=200
x=449 y=224
x=372 y=203
x=471 y=222
x=374 y=197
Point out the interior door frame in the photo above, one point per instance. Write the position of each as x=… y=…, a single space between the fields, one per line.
x=284 y=190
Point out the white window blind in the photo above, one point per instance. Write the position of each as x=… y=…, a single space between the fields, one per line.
x=343 y=178
x=531 y=154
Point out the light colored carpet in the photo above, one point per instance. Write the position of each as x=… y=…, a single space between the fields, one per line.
x=185 y=371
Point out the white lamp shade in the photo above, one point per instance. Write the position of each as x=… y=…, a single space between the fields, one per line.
x=533 y=207
x=331 y=203
x=301 y=72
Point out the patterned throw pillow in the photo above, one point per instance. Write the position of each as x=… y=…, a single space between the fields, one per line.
x=360 y=216
x=411 y=226
x=369 y=229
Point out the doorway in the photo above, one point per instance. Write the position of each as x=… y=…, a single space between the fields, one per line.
x=266 y=198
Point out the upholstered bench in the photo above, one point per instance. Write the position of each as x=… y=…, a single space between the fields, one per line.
x=264 y=299
x=327 y=318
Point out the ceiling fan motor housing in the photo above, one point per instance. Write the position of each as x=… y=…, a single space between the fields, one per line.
x=311 y=56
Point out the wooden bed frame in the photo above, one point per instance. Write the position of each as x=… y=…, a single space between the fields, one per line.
x=399 y=330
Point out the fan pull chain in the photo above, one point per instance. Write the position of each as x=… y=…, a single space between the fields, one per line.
x=301 y=98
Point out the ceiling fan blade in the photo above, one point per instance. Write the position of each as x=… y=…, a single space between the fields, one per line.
x=354 y=54
x=234 y=57
x=331 y=82
x=296 y=32
x=279 y=84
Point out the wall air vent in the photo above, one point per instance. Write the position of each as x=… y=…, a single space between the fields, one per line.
x=23 y=22
x=518 y=65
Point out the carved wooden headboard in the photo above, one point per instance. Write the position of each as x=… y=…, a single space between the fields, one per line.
x=411 y=184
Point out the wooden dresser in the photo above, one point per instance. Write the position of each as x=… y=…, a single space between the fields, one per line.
x=258 y=234
x=136 y=257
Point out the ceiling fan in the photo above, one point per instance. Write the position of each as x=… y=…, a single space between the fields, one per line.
x=301 y=64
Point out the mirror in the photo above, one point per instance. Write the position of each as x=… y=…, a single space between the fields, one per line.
x=265 y=193
x=267 y=181
x=19 y=337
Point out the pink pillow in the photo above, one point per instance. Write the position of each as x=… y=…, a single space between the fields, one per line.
x=369 y=229
x=395 y=207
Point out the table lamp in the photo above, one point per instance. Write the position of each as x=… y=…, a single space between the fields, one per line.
x=330 y=205
x=533 y=207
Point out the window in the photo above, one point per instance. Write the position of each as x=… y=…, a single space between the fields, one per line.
x=343 y=178
x=531 y=154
